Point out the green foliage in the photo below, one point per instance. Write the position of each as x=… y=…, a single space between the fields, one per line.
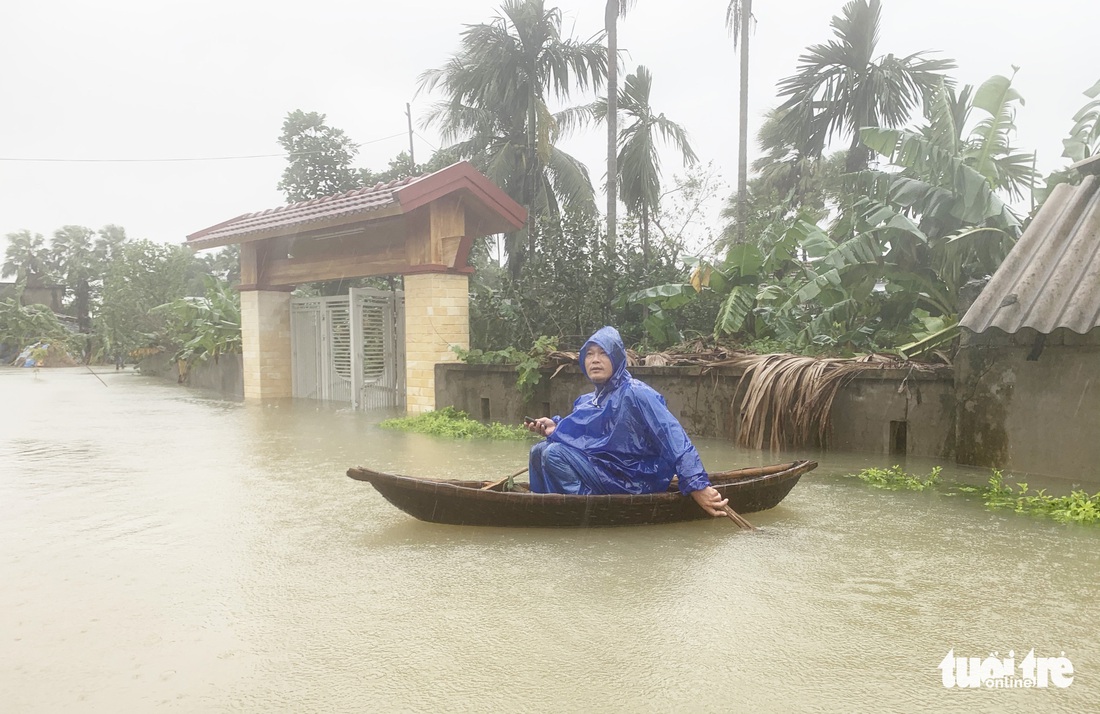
x=527 y=363
x=1083 y=142
x=143 y=275
x=895 y=479
x=841 y=86
x=569 y=287
x=497 y=89
x=1077 y=507
x=204 y=327
x=401 y=166
x=637 y=161
x=887 y=271
x=1084 y=137
x=27 y=258
x=455 y=424
x=22 y=326
x=319 y=158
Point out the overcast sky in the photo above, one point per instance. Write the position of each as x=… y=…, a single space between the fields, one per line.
x=140 y=80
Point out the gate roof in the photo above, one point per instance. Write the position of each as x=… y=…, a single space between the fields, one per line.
x=416 y=224
x=363 y=205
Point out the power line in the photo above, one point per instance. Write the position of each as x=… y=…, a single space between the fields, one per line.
x=185 y=158
x=419 y=136
x=145 y=161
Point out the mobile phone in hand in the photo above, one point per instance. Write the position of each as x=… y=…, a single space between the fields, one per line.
x=528 y=420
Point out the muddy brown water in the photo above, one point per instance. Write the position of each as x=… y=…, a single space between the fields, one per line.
x=168 y=550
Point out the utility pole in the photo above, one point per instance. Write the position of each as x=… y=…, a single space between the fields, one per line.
x=412 y=157
x=743 y=124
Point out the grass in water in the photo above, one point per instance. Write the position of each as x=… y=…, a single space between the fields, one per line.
x=1077 y=507
x=456 y=424
x=897 y=480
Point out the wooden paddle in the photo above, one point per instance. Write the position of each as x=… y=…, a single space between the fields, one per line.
x=504 y=480
x=738 y=518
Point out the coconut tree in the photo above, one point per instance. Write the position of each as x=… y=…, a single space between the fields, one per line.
x=842 y=87
x=613 y=10
x=76 y=261
x=638 y=162
x=108 y=244
x=26 y=258
x=497 y=87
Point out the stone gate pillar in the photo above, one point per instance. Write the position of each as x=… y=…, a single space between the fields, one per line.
x=437 y=315
x=265 y=343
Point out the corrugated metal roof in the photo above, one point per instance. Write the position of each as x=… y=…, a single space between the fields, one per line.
x=360 y=200
x=1051 y=277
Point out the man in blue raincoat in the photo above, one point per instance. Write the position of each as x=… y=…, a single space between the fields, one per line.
x=621 y=438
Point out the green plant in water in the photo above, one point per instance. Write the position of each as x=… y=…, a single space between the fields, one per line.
x=895 y=479
x=527 y=363
x=206 y=326
x=1077 y=507
x=455 y=424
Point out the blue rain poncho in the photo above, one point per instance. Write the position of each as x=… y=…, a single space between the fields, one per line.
x=632 y=442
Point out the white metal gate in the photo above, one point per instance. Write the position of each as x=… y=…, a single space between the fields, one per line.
x=350 y=349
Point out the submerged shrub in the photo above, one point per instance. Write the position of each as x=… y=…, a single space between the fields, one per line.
x=895 y=479
x=456 y=424
x=1077 y=507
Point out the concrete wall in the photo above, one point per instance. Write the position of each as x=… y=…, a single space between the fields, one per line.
x=1039 y=415
x=708 y=403
x=226 y=377
x=872 y=412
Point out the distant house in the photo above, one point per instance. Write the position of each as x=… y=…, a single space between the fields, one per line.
x=1028 y=373
x=48 y=295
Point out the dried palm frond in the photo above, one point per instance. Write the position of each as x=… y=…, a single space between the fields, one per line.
x=788 y=399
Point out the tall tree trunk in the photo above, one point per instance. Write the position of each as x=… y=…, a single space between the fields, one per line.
x=858 y=153
x=83 y=300
x=743 y=125
x=525 y=239
x=611 y=20
x=645 y=237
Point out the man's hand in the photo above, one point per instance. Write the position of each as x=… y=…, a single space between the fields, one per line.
x=543 y=425
x=710 y=500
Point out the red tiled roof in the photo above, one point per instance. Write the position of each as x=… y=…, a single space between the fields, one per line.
x=356 y=205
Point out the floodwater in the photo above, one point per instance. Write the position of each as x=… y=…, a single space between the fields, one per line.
x=163 y=549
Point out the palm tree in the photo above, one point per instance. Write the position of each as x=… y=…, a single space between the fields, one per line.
x=26 y=257
x=639 y=165
x=496 y=108
x=738 y=17
x=108 y=244
x=75 y=258
x=841 y=87
x=612 y=12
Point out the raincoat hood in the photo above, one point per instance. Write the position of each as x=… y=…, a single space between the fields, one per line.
x=609 y=341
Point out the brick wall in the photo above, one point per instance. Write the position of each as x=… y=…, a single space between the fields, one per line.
x=265 y=336
x=437 y=316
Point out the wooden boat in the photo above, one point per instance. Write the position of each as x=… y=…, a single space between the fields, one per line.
x=468 y=503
